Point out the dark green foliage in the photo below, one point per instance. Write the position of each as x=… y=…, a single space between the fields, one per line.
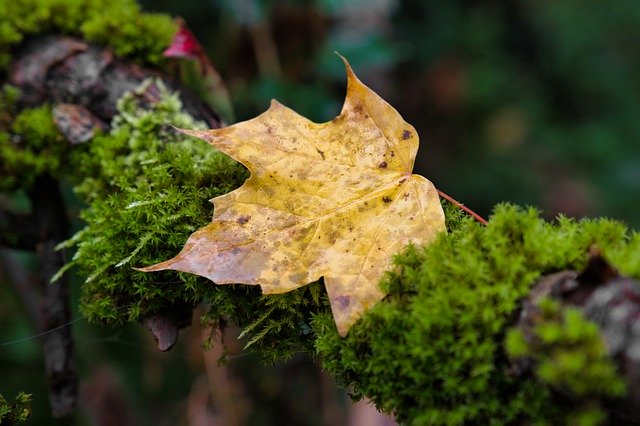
x=16 y=412
x=571 y=357
x=33 y=147
x=148 y=188
x=432 y=352
x=119 y=24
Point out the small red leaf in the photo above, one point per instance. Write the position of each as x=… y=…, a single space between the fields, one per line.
x=184 y=44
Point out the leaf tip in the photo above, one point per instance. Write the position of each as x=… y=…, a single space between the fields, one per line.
x=350 y=72
x=275 y=104
x=153 y=268
x=188 y=132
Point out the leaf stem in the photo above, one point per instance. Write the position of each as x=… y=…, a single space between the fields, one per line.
x=473 y=214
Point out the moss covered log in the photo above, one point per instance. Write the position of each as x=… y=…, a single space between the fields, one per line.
x=439 y=349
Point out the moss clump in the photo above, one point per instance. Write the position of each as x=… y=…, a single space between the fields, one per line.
x=33 y=146
x=276 y=327
x=571 y=357
x=432 y=351
x=148 y=188
x=16 y=412
x=116 y=23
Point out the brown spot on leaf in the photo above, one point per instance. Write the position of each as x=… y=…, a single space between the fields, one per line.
x=243 y=219
x=383 y=165
x=406 y=135
x=343 y=301
x=386 y=199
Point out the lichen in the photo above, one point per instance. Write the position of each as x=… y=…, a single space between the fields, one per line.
x=119 y=24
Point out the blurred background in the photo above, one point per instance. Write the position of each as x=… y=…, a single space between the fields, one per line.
x=535 y=103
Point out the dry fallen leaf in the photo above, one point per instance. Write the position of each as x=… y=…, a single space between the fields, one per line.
x=334 y=200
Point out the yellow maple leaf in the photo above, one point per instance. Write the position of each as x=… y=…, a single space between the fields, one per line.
x=333 y=200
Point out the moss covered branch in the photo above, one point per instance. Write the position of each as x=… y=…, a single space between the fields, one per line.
x=444 y=347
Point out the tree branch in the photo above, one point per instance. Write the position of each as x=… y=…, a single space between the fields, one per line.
x=57 y=69
x=53 y=227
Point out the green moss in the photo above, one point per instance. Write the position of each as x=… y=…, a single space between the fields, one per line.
x=148 y=188
x=33 y=147
x=275 y=326
x=16 y=412
x=9 y=96
x=570 y=357
x=116 y=23
x=432 y=352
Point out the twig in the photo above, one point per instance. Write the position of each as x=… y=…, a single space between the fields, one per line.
x=52 y=226
x=473 y=214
